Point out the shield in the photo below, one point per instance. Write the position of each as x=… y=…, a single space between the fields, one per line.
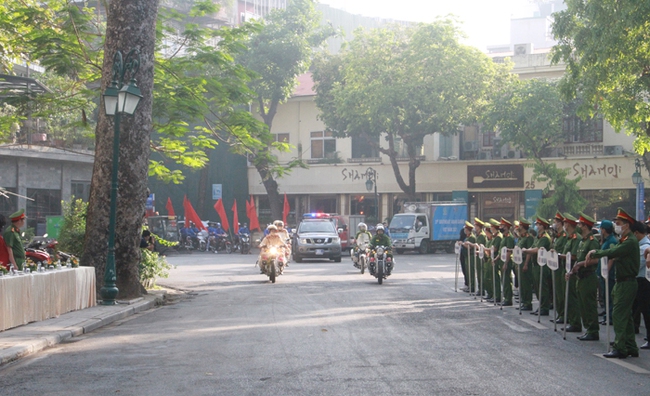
x=481 y=251
x=517 y=255
x=457 y=247
x=552 y=260
x=504 y=253
x=541 y=256
x=603 y=268
x=567 y=265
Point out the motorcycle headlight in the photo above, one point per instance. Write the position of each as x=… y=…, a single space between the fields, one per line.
x=273 y=250
x=380 y=250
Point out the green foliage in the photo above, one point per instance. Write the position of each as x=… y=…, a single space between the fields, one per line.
x=560 y=193
x=404 y=82
x=152 y=266
x=605 y=46
x=527 y=114
x=73 y=228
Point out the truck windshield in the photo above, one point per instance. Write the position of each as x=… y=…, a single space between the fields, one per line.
x=317 y=226
x=402 y=222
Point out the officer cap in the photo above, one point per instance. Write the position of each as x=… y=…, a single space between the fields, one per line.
x=586 y=220
x=19 y=215
x=568 y=218
x=623 y=215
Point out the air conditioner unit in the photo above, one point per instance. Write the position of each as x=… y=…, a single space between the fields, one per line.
x=485 y=155
x=496 y=153
x=470 y=146
x=613 y=150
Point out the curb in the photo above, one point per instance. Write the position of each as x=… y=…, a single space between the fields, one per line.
x=39 y=342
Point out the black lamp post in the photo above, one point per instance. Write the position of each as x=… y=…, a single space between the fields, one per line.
x=372 y=181
x=118 y=99
x=637 y=179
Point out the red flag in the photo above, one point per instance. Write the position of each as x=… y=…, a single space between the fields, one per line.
x=285 y=210
x=191 y=216
x=235 y=218
x=252 y=217
x=221 y=211
x=170 y=207
x=248 y=208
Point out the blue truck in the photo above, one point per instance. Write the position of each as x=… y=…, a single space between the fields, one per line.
x=428 y=226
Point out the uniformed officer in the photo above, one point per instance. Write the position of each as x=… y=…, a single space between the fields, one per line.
x=13 y=239
x=470 y=245
x=572 y=244
x=506 y=270
x=543 y=241
x=487 y=262
x=587 y=283
x=497 y=237
x=525 y=281
x=558 y=245
x=627 y=263
x=481 y=240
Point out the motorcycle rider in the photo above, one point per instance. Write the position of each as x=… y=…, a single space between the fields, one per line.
x=381 y=239
x=272 y=239
x=284 y=234
x=188 y=235
x=243 y=230
x=361 y=242
x=212 y=237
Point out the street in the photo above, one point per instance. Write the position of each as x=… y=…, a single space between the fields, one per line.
x=325 y=329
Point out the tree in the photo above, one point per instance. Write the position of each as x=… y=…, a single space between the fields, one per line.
x=528 y=114
x=129 y=25
x=605 y=46
x=402 y=84
x=280 y=52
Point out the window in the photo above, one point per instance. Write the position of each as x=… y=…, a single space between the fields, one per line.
x=81 y=190
x=488 y=139
x=446 y=146
x=281 y=137
x=8 y=202
x=362 y=149
x=323 y=145
x=579 y=131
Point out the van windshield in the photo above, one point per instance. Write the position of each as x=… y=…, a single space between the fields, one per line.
x=402 y=222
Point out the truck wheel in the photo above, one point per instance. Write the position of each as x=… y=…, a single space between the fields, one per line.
x=337 y=259
x=297 y=258
x=399 y=251
x=424 y=246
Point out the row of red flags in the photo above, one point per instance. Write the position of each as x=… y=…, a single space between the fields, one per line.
x=251 y=213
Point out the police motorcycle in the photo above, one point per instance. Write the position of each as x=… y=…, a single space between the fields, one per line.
x=244 y=243
x=361 y=250
x=272 y=259
x=380 y=263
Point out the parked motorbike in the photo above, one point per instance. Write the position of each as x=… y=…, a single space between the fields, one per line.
x=272 y=262
x=245 y=243
x=380 y=264
x=38 y=256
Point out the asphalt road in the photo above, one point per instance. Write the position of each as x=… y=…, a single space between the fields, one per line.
x=325 y=329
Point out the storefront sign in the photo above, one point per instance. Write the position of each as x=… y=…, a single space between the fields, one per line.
x=587 y=171
x=495 y=176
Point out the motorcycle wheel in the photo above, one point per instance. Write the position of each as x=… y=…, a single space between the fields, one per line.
x=380 y=272
x=228 y=248
x=362 y=264
x=272 y=275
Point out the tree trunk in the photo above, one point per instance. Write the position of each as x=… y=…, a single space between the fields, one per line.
x=130 y=25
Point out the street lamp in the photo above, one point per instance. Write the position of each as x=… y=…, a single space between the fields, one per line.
x=372 y=181
x=118 y=99
x=637 y=179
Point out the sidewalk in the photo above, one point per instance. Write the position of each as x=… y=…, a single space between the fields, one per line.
x=34 y=337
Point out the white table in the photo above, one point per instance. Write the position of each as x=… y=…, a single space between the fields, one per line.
x=39 y=296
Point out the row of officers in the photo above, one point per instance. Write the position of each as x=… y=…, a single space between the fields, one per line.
x=623 y=241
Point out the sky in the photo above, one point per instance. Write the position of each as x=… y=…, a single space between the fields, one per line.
x=485 y=22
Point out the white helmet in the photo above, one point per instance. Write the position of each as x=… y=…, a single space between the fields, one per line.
x=271 y=227
x=380 y=227
x=279 y=223
x=363 y=227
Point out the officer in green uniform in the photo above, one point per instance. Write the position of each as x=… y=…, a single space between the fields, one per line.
x=587 y=283
x=558 y=245
x=470 y=245
x=627 y=263
x=481 y=240
x=543 y=241
x=487 y=262
x=506 y=270
x=497 y=237
x=13 y=239
x=572 y=244
x=525 y=281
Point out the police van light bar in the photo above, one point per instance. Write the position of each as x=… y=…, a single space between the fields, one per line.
x=315 y=216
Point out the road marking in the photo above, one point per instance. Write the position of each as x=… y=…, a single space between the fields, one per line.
x=513 y=326
x=625 y=364
x=534 y=324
